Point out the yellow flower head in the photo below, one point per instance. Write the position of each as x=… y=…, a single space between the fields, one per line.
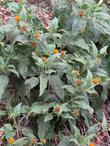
x=17 y=18
x=34 y=141
x=37 y=35
x=57 y=109
x=92 y=144
x=55 y=51
x=96 y=80
x=81 y=13
x=11 y=140
x=34 y=44
x=23 y=28
x=43 y=141
x=44 y=58
x=78 y=82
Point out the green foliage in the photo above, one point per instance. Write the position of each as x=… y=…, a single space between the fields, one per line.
x=59 y=79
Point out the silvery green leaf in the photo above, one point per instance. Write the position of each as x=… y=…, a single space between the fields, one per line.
x=104 y=50
x=82 y=44
x=4 y=80
x=43 y=83
x=104 y=123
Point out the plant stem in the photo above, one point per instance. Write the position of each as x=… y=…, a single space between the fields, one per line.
x=17 y=128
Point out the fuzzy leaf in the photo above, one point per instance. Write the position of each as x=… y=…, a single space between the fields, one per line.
x=104 y=123
x=21 y=39
x=92 y=129
x=17 y=110
x=57 y=86
x=23 y=69
x=69 y=88
x=27 y=132
x=95 y=51
x=82 y=104
x=82 y=44
x=22 y=141
x=43 y=83
x=104 y=50
x=31 y=83
x=48 y=117
x=3 y=84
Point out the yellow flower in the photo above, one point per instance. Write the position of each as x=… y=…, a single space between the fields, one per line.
x=11 y=140
x=44 y=58
x=17 y=18
x=91 y=144
x=34 y=44
x=57 y=109
x=43 y=141
x=37 y=35
x=81 y=13
x=78 y=82
x=55 y=51
x=23 y=28
x=34 y=141
x=96 y=80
